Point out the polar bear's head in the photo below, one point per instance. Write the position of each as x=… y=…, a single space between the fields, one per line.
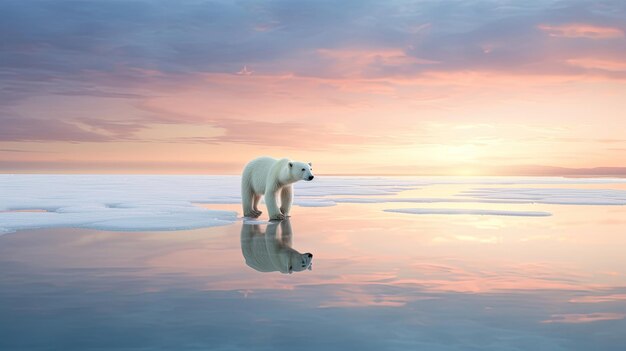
x=301 y=170
x=285 y=260
x=270 y=252
x=298 y=262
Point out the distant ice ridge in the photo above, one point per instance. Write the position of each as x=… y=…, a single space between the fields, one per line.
x=550 y=195
x=156 y=202
x=332 y=190
x=461 y=211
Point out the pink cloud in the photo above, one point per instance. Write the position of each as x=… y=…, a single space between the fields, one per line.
x=292 y=134
x=599 y=298
x=478 y=284
x=35 y=129
x=606 y=65
x=358 y=296
x=575 y=318
x=356 y=62
x=581 y=31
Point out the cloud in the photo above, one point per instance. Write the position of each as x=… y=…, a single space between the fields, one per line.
x=116 y=129
x=104 y=167
x=599 y=298
x=296 y=135
x=606 y=65
x=21 y=151
x=575 y=318
x=582 y=31
x=542 y=170
x=329 y=74
x=370 y=63
x=115 y=44
x=31 y=129
x=86 y=129
x=64 y=39
x=99 y=93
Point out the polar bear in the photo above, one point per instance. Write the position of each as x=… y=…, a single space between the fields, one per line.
x=268 y=253
x=267 y=176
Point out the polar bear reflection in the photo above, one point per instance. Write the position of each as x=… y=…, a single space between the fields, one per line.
x=269 y=253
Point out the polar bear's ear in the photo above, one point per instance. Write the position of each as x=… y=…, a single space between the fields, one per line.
x=310 y=164
x=290 y=164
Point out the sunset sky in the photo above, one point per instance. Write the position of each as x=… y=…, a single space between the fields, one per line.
x=356 y=87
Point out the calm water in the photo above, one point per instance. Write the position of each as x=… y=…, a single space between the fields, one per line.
x=378 y=281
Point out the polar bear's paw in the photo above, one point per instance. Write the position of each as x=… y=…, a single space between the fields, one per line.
x=277 y=217
x=252 y=214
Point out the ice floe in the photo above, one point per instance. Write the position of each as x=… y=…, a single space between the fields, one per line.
x=559 y=196
x=461 y=211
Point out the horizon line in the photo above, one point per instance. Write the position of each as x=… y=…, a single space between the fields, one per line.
x=564 y=175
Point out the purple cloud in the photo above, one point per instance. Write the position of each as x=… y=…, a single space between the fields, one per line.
x=120 y=49
x=31 y=129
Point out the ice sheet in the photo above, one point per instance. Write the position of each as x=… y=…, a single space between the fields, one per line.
x=151 y=202
x=114 y=202
x=557 y=196
x=158 y=202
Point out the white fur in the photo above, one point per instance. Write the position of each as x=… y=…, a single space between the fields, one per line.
x=268 y=253
x=266 y=176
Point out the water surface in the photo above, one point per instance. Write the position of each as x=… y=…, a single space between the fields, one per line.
x=378 y=281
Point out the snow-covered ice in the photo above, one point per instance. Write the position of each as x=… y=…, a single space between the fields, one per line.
x=556 y=196
x=461 y=211
x=150 y=202
x=113 y=202
x=426 y=200
x=158 y=202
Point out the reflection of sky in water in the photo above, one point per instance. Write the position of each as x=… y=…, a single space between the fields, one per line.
x=380 y=281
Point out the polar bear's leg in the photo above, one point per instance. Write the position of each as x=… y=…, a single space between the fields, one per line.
x=270 y=202
x=247 y=196
x=255 y=204
x=286 y=197
x=286 y=233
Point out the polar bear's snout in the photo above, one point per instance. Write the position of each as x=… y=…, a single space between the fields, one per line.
x=307 y=172
x=307 y=258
